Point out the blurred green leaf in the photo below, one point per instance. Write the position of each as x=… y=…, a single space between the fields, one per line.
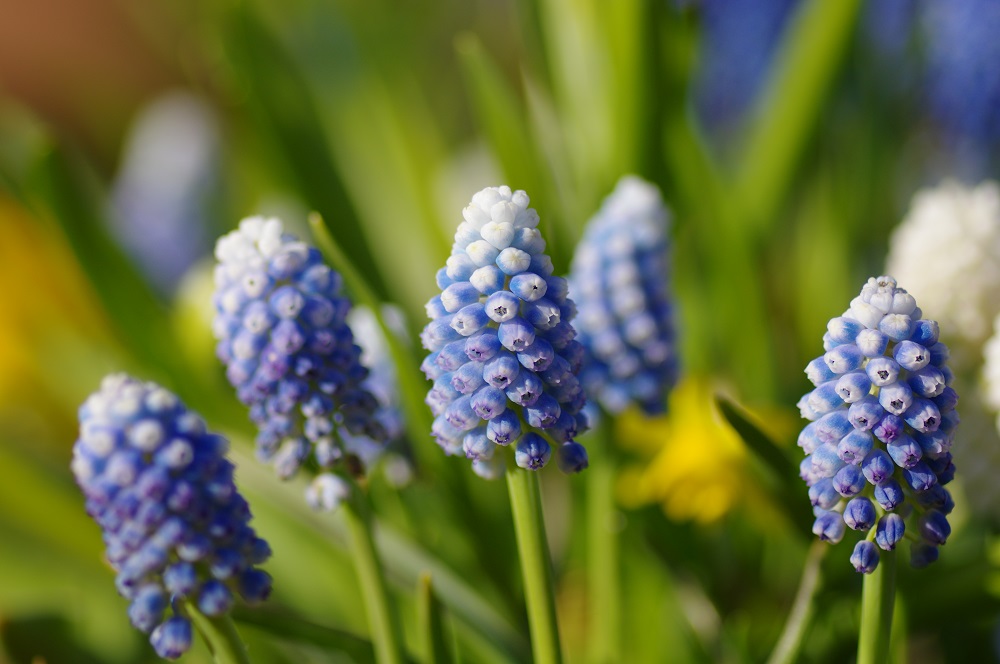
x=281 y=624
x=790 y=108
x=789 y=491
x=430 y=618
x=62 y=185
x=280 y=101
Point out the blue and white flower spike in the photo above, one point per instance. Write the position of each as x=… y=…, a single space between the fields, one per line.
x=503 y=354
x=174 y=525
x=883 y=419
x=280 y=322
x=620 y=283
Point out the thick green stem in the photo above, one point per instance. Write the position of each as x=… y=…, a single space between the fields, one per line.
x=220 y=635
x=787 y=649
x=602 y=546
x=878 y=596
x=386 y=634
x=536 y=566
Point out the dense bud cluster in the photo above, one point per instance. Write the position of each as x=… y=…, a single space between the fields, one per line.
x=883 y=419
x=503 y=354
x=280 y=321
x=619 y=281
x=174 y=525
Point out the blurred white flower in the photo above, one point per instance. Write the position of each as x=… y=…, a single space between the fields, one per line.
x=951 y=236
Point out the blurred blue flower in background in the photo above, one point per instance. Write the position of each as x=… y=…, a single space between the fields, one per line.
x=963 y=78
x=175 y=526
x=503 y=353
x=740 y=40
x=281 y=325
x=620 y=280
x=883 y=420
x=169 y=170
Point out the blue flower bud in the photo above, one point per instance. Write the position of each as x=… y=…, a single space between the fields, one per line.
x=929 y=382
x=532 y=451
x=215 y=599
x=829 y=527
x=853 y=386
x=889 y=428
x=925 y=333
x=833 y=426
x=882 y=371
x=505 y=337
x=889 y=495
x=911 y=356
x=849 y=481
x=889 y=531
x=904 y=451
x=843 y=330
x=825 y=461
x=877 y=467
x=934 y=528
x=864 y=415
x=172 y=638
x=817 y=372
x=922 y=555
x=896 y=398
x=855 y=446
x=843 y=359
x=822 y=494
x=919 y=477
x=572 y=457
x=859 y=513
x=162 y=491
x=864 y=557
x=923 y=416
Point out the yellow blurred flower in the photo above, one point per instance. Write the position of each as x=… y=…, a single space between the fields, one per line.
x=696 y=467
x=48 y=315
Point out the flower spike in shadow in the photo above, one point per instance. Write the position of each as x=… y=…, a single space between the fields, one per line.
x=175 y=527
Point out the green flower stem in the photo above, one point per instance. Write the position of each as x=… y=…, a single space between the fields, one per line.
x=386 y=634
x=878 y=596
x=602 y=547
x=536 y=566
x=787 y=649
x=220 y=635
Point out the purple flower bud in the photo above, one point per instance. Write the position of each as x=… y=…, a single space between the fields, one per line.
x=922 y=555
x=829 y=527
x=889 y=495
x=865 y=414
x=877 y=467
x=572 y=457
x=919 y=477
x=904 y=451
x=532 y=452
x=849 y=481
x=934 y=528
x=859 y=514
x=822 y=494
x=889 y=531
x=864 y=557
x=853 y=447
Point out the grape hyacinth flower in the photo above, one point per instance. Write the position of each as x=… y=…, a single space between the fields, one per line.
x=503 y=356
x=619 y=281
x=174 y=525
x=290 y=354
x=883 y=419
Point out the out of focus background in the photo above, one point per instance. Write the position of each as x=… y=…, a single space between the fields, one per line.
x=802 y=145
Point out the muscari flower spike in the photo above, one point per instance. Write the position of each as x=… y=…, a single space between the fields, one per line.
x=280 y=321
x=883 y=419
x=619 y=280
x=503 y=356
x=174 y=525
